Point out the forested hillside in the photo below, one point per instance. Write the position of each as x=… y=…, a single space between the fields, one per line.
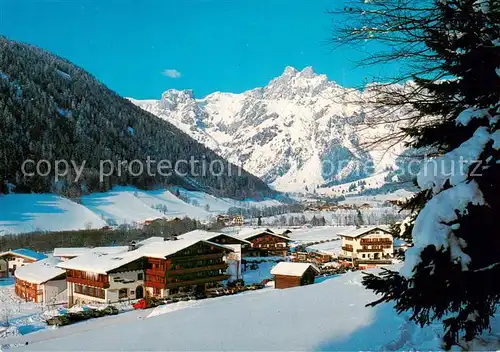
x=50 y=109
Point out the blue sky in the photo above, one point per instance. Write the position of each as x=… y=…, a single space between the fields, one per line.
x=140 y=48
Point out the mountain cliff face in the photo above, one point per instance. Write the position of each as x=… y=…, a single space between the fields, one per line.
x=301 y=132
x=52 y=110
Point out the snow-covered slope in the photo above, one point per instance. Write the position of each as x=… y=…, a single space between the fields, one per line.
x=301 y=130
x=21 y=213
x=125 y=205
x=328 y=316
x=35 y=212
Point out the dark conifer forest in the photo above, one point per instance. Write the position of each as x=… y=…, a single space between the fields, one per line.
x=53 y=110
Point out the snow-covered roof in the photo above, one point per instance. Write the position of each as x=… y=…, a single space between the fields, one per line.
x=362 y=230
x=207 y=235
x=245 y=235
x=40 y=271
x=154 y=239
x=77 y=251
x=292 y=269
x=25 y=252
x=70 y=252
x=102 y=263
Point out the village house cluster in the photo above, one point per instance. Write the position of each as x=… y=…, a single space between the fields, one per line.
x=230 y=220
x=192 y=262
x=335 y=207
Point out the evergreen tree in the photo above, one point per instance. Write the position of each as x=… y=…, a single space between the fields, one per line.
x=314 y=221
x=451 y=49
x=322 y=221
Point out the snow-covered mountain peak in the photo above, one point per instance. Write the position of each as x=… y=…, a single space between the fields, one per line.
x=308 y=72
x=294 y=84
x=290 y=71
x=172 y=98
x=298 y=132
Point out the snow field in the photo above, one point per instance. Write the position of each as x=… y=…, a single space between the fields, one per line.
x=21 y=213
x=327 y=316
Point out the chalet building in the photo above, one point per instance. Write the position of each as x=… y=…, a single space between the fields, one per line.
x=287 y=274
x=223 y=219
x=158 y=268
x=266 y=243
x=41 y=282
x=14 y=259
x=185 y=266
x=233 y=259
x=238 y=220
x=367 y=246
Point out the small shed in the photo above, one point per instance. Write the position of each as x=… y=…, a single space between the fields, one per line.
x=41 y=282
x=288 y=274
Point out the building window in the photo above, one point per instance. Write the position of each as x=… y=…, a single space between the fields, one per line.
x=140 y=276
x=123 y=293
x=89 y=291
x=363 y=256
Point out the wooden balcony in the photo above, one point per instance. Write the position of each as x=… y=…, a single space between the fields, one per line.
x=88 y=282
x=155 y=272
x=374 y=241
x=347 y=248
x=270 y=248
x=198 y=281
x=371 y=250
x=155 y=284
x=194 y=270
x=198 y=257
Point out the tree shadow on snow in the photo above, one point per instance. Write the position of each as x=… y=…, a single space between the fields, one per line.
x=385 y=331
x=25 y=207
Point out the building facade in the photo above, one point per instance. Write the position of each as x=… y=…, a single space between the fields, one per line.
x=266 y=243
x=287 y=274
x=120 y=284
x=237 y=245
x=16 y=258
x=367 y=246
x=41 y=282
x=153 y=268
x=191 y=269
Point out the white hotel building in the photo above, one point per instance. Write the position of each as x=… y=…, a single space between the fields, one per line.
x=367 y=246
